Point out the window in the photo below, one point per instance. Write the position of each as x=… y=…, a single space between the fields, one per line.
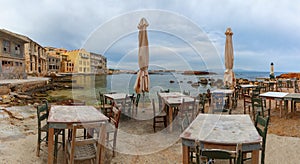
x=17 y=49
x=80 y=62
x=6 y=46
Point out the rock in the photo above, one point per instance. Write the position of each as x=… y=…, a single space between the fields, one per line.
x=24 y=97
x=6 y=99
x=289 y=75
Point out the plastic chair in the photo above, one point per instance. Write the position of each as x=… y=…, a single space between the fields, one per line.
x=112 y=128
x=85 y=149
x=43 y=127
x=158 y=118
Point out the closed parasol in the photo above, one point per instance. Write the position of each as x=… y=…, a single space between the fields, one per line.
x=229 y=79
x=142 y=82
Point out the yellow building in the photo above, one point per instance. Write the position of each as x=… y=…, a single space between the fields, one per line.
x=81 y=60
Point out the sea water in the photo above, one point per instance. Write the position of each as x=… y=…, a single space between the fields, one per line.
x=87 y=87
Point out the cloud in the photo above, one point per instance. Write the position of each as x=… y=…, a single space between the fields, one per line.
x=264 y=29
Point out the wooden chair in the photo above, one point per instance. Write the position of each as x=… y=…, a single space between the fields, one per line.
x=187 y=108
x=112 y=128
x=104 y=106
x=261 y=123
x=218 y=104
x=158 y=117
x=43 y=127
x=201 y=103
x=165 y=91
x=235 y=97
x=127 y=106
x=192 y=150
x=212 y=154
x=186 y=93
x=258 y=107
x=85 y=149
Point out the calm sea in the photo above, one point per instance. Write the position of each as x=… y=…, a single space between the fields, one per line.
x=125 y=82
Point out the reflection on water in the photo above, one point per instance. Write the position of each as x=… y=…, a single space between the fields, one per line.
x=92 y=84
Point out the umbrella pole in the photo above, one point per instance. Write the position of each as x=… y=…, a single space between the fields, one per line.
x=143 y=110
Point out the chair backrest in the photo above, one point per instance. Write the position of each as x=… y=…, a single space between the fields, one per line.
x=296 y=88
x=222 y=154
x=188 y=108
x=97 y=139
x=42 y=113
x=185 y=123
x=255 y=92
x=261 y=124
x=165 y=91
x=257 y=105
x=137 y=100
x=202 y=100
x=186 y=93
x=218 y=102
x=127 y=104
x=115 y=116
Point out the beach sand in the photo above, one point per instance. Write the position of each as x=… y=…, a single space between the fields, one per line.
x=136 y=141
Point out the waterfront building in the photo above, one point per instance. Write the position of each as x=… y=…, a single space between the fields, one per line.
x=36 y=58
x=55 y=58
x=12 y=56
x=98 y=63
x=80 y=59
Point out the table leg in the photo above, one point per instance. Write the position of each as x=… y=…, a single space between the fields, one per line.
x=102 y=143
x=185 y=154
x=170 y=119
x=50 y=145
x=255 y=157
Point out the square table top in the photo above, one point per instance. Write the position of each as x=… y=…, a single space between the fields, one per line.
x=75 y=114
x=226 y=91
x=292 y=96
x=170 y=94
x=222 y=129
x=116 y=96
x=274 y=94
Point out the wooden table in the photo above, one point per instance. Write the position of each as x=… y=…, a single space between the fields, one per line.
x=293 y=97
x=173 y=100
x=118 y=98
x=223 y=132
x=279 y=96
x=63 y=117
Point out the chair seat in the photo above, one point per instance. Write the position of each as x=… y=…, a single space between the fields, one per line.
x=83 y=152
x=162 y=114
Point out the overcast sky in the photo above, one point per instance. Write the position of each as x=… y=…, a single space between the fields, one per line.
x=182 y=34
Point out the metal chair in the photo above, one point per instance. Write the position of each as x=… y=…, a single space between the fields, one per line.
x=43 y=127
x=85 y=148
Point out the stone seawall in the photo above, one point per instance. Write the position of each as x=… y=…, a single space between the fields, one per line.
x=22 y=86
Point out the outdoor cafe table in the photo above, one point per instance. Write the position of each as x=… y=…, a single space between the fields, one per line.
x=215 y=131
x=173 y=100
x=116 y=97
x=63 y=117
x=279 y=96
x=293 y=97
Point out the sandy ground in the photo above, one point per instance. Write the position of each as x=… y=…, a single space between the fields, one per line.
x=137 y=143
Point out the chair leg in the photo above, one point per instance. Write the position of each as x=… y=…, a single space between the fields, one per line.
x=114 y=143
x=38 y=145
